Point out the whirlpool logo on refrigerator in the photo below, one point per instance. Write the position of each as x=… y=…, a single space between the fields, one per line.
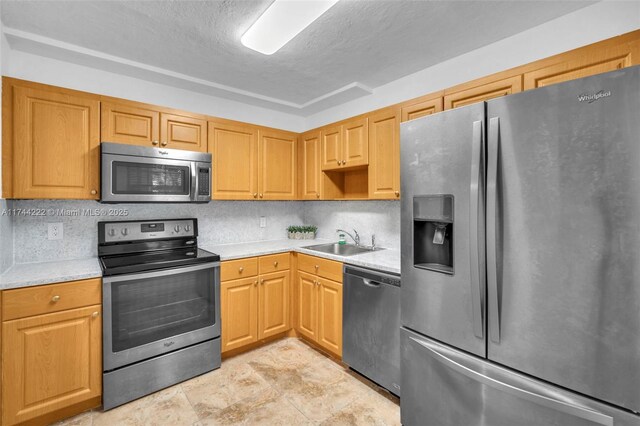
x=592 y=97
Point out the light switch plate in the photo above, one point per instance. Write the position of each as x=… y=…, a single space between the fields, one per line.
x=55 y=231
x=263 y=222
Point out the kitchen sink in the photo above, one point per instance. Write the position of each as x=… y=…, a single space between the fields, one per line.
x=341 y=249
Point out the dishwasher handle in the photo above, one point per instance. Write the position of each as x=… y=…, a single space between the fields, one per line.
x=371 y=277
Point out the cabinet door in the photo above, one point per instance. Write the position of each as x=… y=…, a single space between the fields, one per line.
x=273 y=302
x=330 y=315
x=384 y=163
x=50 y=362
x=239 y=312
x=421 y=109
x=483 y=92
x=310 y=168
x=234 y=151
x=277 y=165
x=584 y=64
x=307 y=309
x=332 y=148
x=355 y=143
x=183 y=132
x=56 y=145
x=130 y=124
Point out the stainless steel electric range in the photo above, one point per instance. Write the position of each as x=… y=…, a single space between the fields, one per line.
x=161 y=297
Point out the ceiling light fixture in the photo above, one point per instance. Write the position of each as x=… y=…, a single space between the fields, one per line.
x=281 y=22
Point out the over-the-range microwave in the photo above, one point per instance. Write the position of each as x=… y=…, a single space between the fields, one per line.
x=136 y=174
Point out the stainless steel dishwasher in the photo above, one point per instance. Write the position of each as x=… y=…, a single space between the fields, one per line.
x=371 y=325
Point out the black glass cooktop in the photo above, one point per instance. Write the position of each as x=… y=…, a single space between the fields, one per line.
x=153 y=260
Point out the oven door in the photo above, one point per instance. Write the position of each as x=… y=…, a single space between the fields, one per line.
x=145 y=179
x=153 y=313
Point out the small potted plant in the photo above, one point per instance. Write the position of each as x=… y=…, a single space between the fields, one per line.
x=302 y=232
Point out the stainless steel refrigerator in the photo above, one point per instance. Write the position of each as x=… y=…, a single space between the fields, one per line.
x=521 y=258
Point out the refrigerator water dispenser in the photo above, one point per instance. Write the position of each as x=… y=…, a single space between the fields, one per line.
x=433 y=233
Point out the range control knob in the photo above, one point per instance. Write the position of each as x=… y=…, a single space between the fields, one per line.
x=112 y=232
x=124 y=231
x=177 y=228
x=187 y=228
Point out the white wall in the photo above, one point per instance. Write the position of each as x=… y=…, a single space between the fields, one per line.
x=588 y=25
x=65 y=74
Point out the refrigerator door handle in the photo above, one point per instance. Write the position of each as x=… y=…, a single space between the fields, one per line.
x=539 y=398
x=477 y=275
x=492 y=207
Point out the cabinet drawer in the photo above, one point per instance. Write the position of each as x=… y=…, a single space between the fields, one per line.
x=274 y=263
x=322 y=267
x=241 y=268
x=26 y=302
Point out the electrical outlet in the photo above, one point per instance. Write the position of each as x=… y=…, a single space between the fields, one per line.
x=263 y=222
x=55 y=231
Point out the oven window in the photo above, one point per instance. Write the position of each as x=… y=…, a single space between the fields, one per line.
x=151 y=309
x=142 y=178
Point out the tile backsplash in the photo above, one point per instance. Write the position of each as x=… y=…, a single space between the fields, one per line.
x=220 y=222
x=6 y=235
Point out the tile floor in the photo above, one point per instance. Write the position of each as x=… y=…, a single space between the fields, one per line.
x=284 y=383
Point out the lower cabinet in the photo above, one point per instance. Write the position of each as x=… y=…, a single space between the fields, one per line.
x=256 y=307
x=51 y=362
x=319 y=302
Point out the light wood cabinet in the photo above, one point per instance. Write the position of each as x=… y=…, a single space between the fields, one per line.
x=258 y=306
x=135 y=124
x=330 y=315
x=484 y=91
x=345 y=145
x=51 y=362
x=234 y=150
x=384 y=147
x=309 y=170
x=319 y=302
x=239 y=312
x=422 y=108
x=307 y=305
x=277 y=164
x=183 y=132
x=273 y=304
x=56 y=144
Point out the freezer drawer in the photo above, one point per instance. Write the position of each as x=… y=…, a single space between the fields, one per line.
x=371 y=325
x=443 y=386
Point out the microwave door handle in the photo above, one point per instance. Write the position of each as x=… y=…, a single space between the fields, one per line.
x=194 y=181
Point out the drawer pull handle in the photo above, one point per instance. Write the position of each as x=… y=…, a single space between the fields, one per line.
x=95 y=314
x=54 y=299
x=255 y=283
x=317 y=267
x=275 y=263
x=262 y=282
x=344 y=162
x=240 y=269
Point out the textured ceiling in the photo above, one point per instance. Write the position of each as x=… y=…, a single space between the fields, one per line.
x=366 y=42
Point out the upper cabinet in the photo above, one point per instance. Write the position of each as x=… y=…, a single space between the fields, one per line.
x=183 y=132
x=234 y=150
x=277 y=164
x=481 y=90
x=309 y=167
x=422 y=108
x=132 y=123
x=55 y=141
x=252 y=163
x=384 y=149
x=345 y=145
x=592 y=60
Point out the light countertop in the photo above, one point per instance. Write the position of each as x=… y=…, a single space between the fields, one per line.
x=30 y=274
x=387 y=260
x=38 y=273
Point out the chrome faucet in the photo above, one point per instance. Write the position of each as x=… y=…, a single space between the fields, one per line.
x=355 y=239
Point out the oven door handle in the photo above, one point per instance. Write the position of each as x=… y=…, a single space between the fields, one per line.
x=160 y=273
